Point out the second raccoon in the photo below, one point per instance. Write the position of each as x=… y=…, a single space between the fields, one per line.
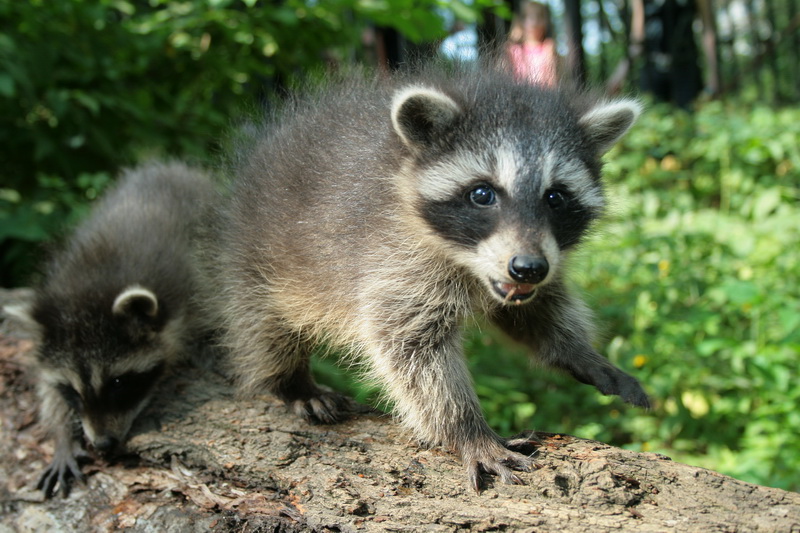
x=380 y=215
x=115 y=310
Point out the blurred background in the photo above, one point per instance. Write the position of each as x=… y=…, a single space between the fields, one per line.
x=694 y=275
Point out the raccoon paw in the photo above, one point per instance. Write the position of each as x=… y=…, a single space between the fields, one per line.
x=626 y=387
x=60 y=475
x=326 y=407
x=633 y=393
x=610 y=380
x=499 y=459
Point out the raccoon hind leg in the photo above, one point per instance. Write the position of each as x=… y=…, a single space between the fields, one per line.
x=307 y=399
x=268 y=353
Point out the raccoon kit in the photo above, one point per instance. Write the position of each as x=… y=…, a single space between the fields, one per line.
x=115 y=310
x=379 y=215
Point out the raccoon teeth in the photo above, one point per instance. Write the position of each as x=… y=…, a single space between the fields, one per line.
x=516 y=292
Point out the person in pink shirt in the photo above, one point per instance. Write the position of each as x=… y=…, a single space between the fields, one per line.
x=531 y=50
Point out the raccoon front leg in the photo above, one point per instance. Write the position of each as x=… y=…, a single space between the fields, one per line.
x=64 y=469
x=431 y=388
x=557 y=327
x=65 y=428
x=268 y=354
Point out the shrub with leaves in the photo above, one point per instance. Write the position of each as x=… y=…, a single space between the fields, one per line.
x=697 y=278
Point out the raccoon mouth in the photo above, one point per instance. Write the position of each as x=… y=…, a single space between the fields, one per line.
x=514 y=292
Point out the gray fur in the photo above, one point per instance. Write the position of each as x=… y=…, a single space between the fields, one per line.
x=350 y=222
x=116 y=308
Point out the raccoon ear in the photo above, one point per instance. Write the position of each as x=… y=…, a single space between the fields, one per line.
x=136 y=301
x=607 y=122
x=420 y=114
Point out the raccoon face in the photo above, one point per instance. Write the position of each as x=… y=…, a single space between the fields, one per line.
x=509 y=233
x=108 y=402
x=105 y=370
x=509 y=206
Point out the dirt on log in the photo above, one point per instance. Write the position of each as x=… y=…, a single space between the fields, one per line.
x=201 y=459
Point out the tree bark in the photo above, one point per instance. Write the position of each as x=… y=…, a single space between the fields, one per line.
x=202 y=459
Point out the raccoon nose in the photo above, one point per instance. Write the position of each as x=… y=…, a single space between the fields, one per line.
x=106 y=444
x=528 y=269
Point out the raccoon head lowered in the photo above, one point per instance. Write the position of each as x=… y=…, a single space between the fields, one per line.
x=506 y=178
x=104 y=358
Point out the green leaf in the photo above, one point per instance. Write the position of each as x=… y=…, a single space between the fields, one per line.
x=7 y=86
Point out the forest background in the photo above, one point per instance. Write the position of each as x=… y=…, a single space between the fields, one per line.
x=695 y=274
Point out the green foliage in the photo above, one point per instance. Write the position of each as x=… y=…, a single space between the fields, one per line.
x=87 y=86
x=697 y=277
x=49 y=207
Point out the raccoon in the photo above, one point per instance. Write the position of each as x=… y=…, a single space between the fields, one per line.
x=115 y=310
x=380 y=214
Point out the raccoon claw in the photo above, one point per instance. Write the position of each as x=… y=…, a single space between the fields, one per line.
x=526 y=444
x=497 y=468
x=324 y=408
x=60 y=475
x=500 y=461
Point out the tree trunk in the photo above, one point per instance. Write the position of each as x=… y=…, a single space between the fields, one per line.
x=573 y=24
x=201 y=459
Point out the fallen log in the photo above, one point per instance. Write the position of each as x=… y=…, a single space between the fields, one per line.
x=202 y=459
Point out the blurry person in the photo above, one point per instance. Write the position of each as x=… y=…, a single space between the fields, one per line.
x=530 y=48
x=662 y=33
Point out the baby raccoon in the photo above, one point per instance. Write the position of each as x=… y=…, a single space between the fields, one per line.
x=115 y=310
x=379 y=215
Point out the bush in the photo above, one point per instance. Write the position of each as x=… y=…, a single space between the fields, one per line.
x=697 y=277
x=88 y=87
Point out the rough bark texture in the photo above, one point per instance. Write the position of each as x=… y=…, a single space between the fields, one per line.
x=201 y=459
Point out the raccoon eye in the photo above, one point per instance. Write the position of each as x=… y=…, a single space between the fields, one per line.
x=124 y=392
x=135 y=380
x=483 y=196
x=556 y=198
